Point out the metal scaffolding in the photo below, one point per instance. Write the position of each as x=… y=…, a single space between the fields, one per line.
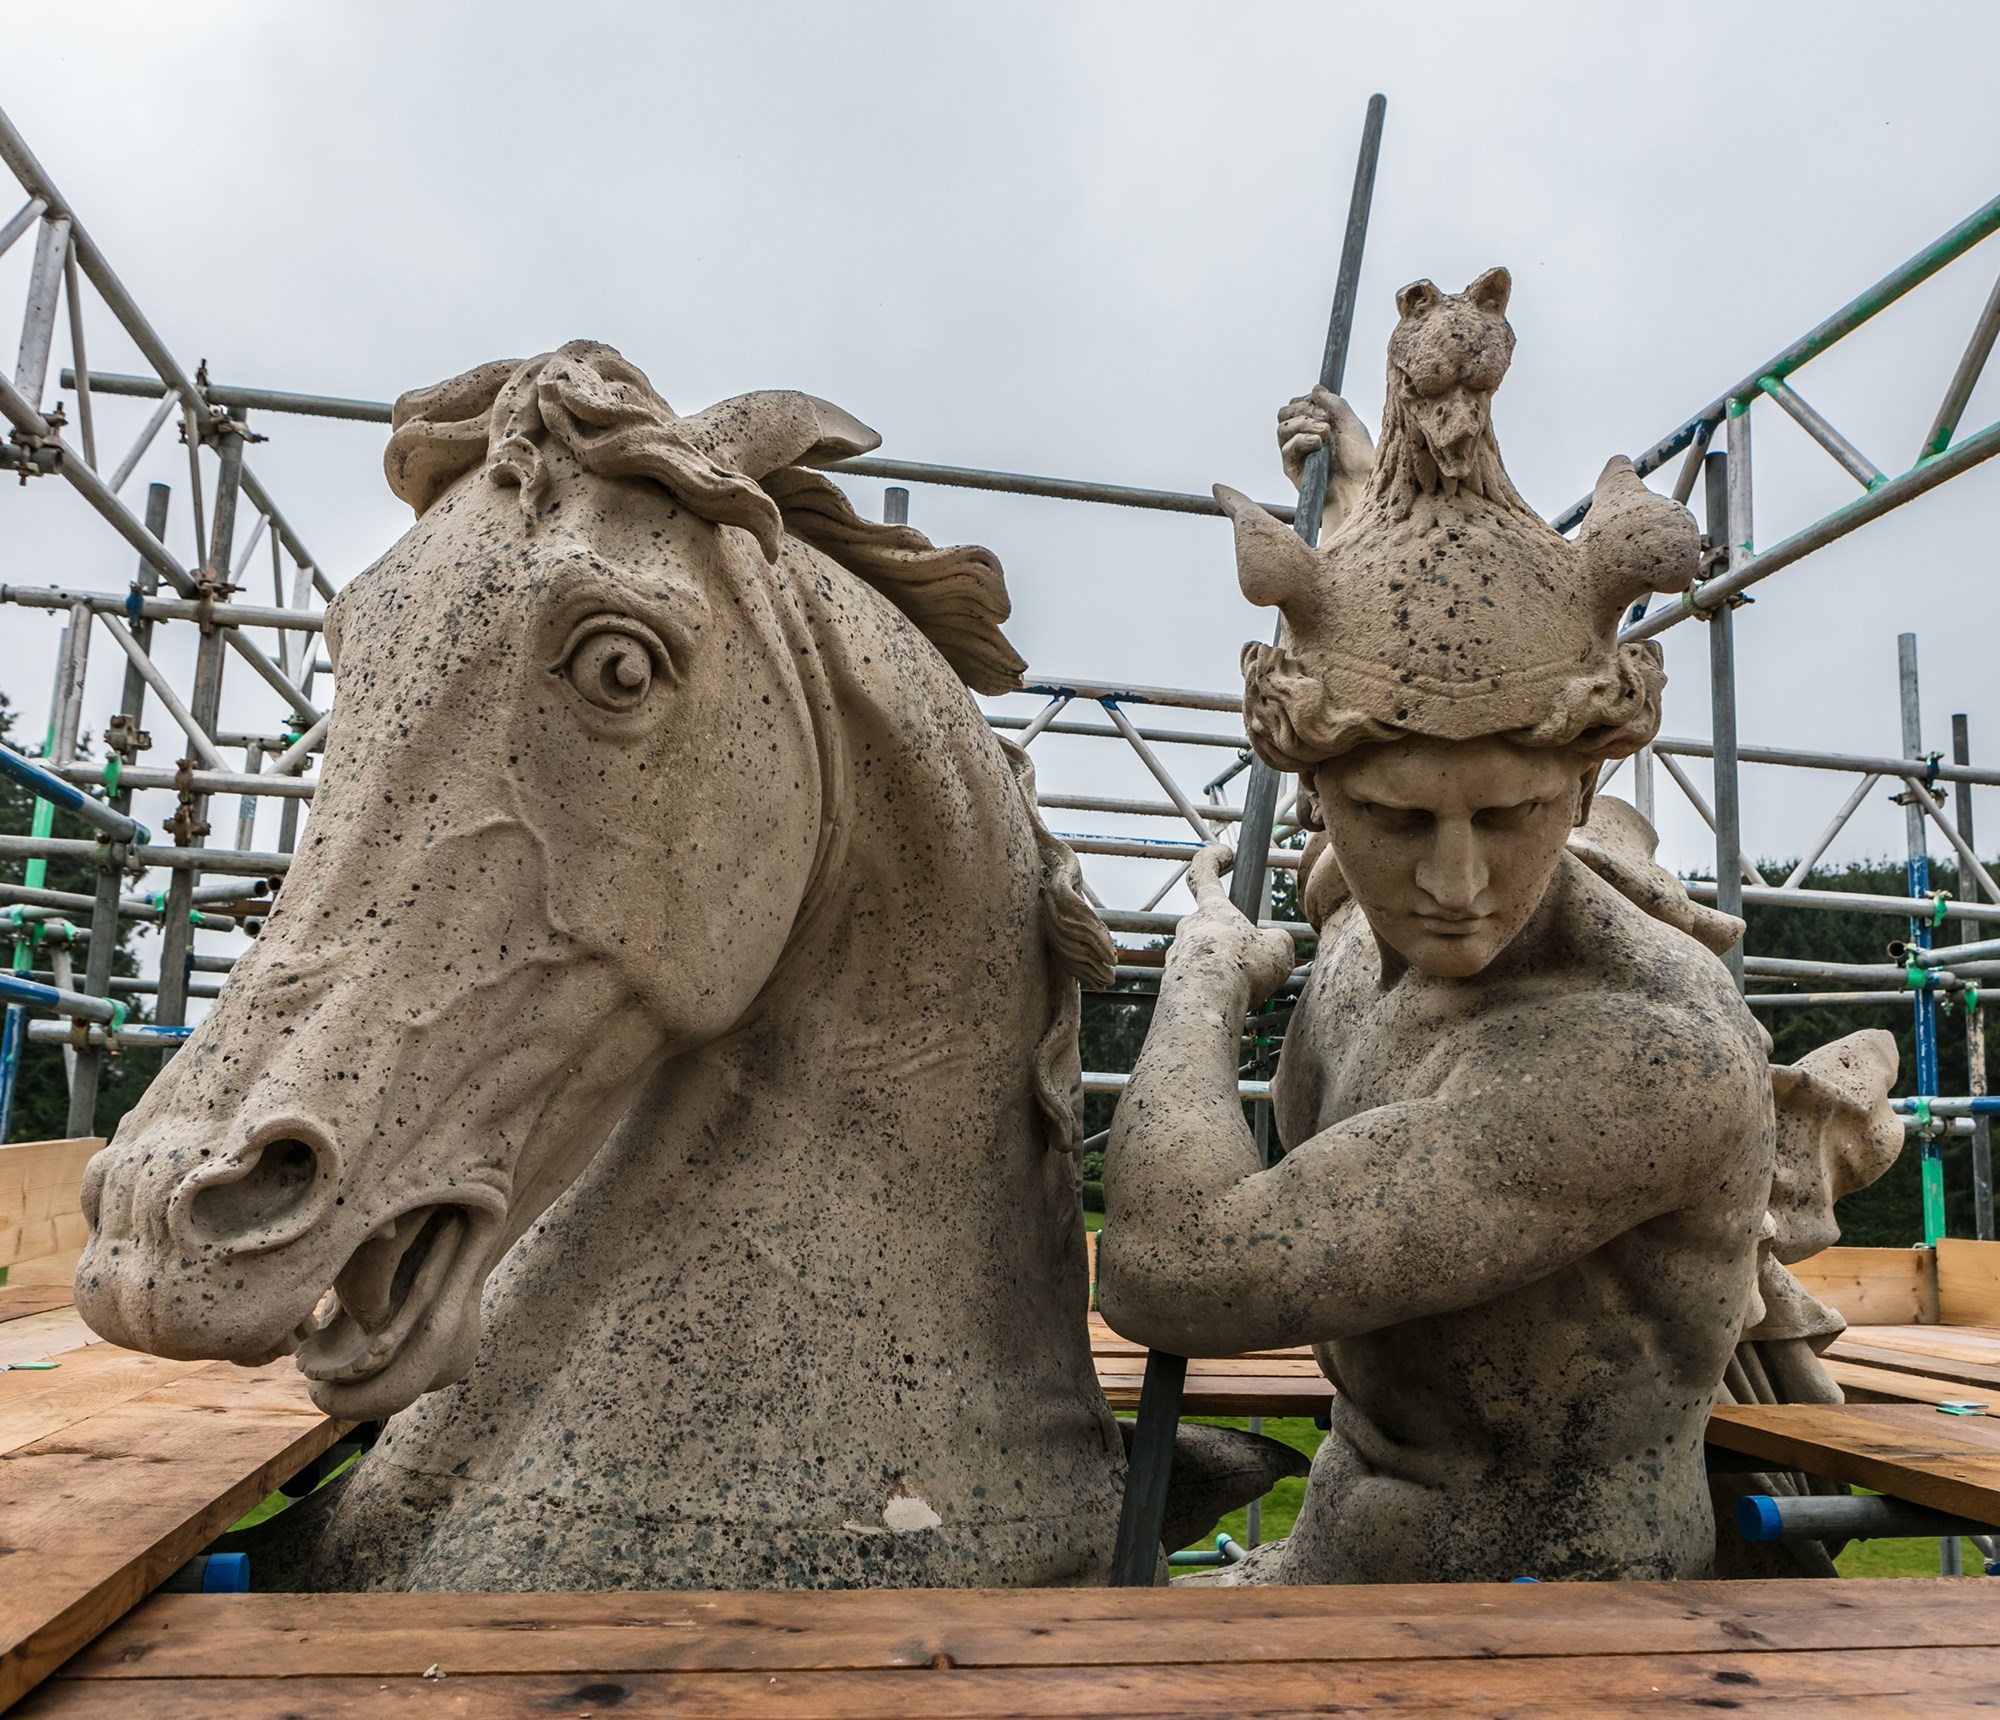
x=1179 y=757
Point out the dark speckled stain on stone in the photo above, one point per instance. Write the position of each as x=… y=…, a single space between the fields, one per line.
x=1528 y=1158
x=753 y=966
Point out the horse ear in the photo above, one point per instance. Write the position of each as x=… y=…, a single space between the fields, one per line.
x=1416 y=297
x=1492 y=291
x=1275 y=566
x=757 y=433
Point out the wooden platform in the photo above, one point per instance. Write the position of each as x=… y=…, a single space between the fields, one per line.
x=1529 y=1652
x=1949 y=1462
x=1260 y=1382
x=116 y=1469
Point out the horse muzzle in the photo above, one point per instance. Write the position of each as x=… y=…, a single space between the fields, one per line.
x=257 y=1253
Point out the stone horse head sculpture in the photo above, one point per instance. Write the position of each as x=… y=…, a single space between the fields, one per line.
x=676 y=957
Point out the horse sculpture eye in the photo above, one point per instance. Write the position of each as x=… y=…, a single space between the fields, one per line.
x=612 y=661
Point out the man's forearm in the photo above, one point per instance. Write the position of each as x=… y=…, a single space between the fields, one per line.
x=1179 y=1143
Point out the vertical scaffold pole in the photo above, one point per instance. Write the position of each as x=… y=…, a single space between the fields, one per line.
x=1924 y=1000
x=89 y=1068
x=1975 y=1026
x=1135 y=1562
x=177 y=931
x=1727 y=498
x=14 y=1026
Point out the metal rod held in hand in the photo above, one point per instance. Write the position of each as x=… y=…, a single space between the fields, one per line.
x=1136 y=1561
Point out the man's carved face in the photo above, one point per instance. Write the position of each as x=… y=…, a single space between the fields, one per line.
x=1449 y=846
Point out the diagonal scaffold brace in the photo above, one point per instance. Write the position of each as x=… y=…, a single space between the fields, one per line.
x=1135 y=1563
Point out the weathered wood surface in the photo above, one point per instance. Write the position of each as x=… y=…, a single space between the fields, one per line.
x=1874 y=1286
x=1259 y=1382
x=17 y=1301
x=1969 y=1355
x=1951 y=1463
x=115 y=1470
x=41 y=1209
x=1968 y=1282
x=1849 y=1648
x=1864 y=1384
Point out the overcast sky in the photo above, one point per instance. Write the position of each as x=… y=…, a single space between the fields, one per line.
x=1089 y=239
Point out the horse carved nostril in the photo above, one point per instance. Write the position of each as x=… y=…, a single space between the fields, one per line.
x=278 y=1186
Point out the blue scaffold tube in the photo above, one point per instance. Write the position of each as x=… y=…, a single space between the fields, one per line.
x=50 y=787
x=17 y=990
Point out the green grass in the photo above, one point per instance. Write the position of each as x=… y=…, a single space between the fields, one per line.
x=1897 y=1559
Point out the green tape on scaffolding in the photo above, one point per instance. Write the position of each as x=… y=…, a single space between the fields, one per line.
x=1933 y=1168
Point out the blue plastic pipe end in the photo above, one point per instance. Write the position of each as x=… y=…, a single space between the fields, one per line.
x=226 y=1574
x=1757 y=1518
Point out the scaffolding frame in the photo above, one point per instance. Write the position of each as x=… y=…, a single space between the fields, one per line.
x=210 y=888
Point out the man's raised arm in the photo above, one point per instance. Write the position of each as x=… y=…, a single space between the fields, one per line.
x=1544 y=1142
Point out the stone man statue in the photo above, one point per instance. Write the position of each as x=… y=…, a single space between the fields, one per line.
x=1528 y=1118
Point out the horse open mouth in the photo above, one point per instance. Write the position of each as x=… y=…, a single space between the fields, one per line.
x=385 y=1294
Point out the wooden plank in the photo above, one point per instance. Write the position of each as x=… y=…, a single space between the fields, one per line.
x=46 y=1271
x=39 y=1238
x=1104 y=1341
x=1976 y=1377
x=40 y=1337
x=42 y=1228
x=34 y=1405
x=1877 y=1682
x=1863 y=1384
x=33 y=1170
x=1951 y=1463
x=1957 y=1343
x=19 y=1300
x=97 y=1515
x=1223 y=1368
x=1874 y=1286
x=1968 y=1282
x=1275 y=1397
x=399 y=1636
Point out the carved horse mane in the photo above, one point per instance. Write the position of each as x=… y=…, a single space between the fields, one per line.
x=607 y=414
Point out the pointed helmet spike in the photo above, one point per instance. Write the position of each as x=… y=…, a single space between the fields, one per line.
x=1633 y=542
x=1276 y=568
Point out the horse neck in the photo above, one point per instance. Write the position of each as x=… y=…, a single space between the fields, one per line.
x=908 y=1007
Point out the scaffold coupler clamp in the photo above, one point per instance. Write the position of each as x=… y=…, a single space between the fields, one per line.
x=184 y=826
x=32 y=454
x=111 y=1045
x=1928 y=1127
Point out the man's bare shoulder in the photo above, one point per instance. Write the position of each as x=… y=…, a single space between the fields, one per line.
x=1616 y=996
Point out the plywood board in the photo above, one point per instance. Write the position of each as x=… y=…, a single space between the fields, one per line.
x=1968 y=1282
x=1874 y=1286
